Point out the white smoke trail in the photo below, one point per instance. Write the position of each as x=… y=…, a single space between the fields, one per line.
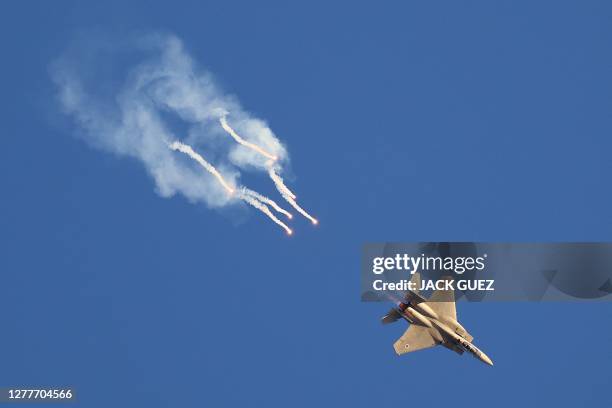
x=243 y=142
x=285 y=193
x=267 y=200
x=264 y=209
x=280 y=184
x=249 y=196
x=183 y=148
x=299 y=209
x=125 y=110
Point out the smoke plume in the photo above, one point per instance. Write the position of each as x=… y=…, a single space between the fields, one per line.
x=148 y=100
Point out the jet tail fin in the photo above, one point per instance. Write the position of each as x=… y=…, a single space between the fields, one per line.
x=413 y=296
x=416 y=282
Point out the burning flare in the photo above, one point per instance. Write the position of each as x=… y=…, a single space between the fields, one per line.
x=183 y=148
x=264 y=209
x=280 y=184
x=243 y=142
x=287 y=194
x=266 y=200
x=289 y=197
x=249 y=196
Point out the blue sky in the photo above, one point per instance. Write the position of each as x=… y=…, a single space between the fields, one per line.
x=476 y=121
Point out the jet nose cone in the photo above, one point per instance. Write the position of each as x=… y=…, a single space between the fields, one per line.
x=486 y=359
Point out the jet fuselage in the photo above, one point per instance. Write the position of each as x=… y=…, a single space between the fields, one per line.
x=439 y=328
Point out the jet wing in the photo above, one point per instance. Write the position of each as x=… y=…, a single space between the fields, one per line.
x=415 y=338
x=443 y=303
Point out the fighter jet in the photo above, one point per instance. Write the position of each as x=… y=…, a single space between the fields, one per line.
x=432 y=321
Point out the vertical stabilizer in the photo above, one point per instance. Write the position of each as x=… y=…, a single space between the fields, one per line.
x=416 y=282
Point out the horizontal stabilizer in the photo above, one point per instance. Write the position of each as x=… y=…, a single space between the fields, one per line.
x=391 y=317
x=415 y=338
